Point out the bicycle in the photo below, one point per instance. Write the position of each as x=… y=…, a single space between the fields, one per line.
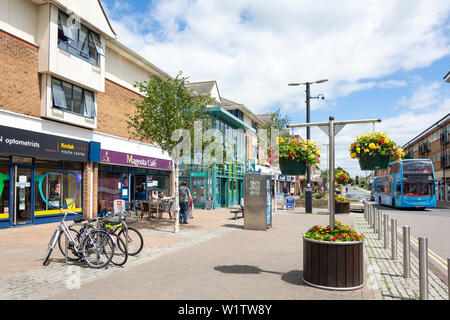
x=91 y=247
x=130 y=236
x=120 y=256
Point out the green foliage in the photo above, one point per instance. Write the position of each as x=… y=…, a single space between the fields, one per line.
x=340 y=233
x=167 y=105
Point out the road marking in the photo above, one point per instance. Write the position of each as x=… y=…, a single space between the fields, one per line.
x=442 y=262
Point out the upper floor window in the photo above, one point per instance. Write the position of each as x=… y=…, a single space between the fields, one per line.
x=79 y=40
x=73 y=99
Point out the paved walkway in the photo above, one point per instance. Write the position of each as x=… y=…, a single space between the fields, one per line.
x=212 y=257
x=386 y=275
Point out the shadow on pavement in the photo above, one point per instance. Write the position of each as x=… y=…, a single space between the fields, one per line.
x=292 y=277
x=236 y=226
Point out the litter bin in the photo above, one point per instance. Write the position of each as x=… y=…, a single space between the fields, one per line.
x=257 y=201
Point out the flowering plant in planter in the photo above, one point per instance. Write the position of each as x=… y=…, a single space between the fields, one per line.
x=340 y=233
x=341 y=200
x=375 y=147
x=295 y=155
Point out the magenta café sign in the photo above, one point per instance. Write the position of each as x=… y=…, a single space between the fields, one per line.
x=133 y=160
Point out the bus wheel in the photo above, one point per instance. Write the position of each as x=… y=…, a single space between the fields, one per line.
x=393 y=203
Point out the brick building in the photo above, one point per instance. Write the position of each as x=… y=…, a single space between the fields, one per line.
x=434 y=144
x=65 y=87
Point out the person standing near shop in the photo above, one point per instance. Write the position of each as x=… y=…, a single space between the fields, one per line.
x=184 y=199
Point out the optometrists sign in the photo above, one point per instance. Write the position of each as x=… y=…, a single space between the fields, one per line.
x=34 y=144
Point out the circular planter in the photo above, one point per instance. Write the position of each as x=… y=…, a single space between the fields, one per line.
x=342 y=207
x=333 y=265
x=292 y=167
x=374 y=163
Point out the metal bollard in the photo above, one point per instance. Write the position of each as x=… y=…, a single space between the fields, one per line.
x=423 y=268
x=365 y=210
x=375 y=224
x=374 y=218
x=380 y=214
x=386 y=228
x=406 y=251
x=394 y=238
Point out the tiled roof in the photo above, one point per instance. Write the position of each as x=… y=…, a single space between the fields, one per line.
x=202 y=87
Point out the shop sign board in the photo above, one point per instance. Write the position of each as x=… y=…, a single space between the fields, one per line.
x=35 y=144
x=290 y=203
x=133 y=160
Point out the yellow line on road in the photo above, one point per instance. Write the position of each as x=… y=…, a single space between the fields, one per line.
x=441 y=261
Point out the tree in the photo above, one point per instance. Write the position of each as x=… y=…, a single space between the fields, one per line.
x=166 y=106
x=276 y=121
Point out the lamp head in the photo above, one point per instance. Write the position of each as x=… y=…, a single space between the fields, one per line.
x=323 y=80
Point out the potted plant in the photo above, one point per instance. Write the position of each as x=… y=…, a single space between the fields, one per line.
x=342 y=177
x=295 y=155
x=333 y=257
x=341 y=205
x=374 y=151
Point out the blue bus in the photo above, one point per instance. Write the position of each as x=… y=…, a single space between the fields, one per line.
x=409 y=183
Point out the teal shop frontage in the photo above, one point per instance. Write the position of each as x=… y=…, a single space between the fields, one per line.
x=215 y=187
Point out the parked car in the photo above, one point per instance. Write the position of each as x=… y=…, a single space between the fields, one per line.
x=356 y=201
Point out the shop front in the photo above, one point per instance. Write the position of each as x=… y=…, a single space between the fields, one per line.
x=131 y=177
x=40 y=175
x=214 y=187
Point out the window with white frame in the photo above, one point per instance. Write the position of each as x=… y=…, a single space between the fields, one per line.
x=73 y=99
x=78 y=40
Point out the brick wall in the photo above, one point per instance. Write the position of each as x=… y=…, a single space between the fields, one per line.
x=87 y=172
x=19 y=79
x=112 y=107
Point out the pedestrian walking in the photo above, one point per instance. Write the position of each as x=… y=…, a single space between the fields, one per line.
x=184 y=200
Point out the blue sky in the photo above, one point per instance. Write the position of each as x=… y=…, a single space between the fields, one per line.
x=383 y=59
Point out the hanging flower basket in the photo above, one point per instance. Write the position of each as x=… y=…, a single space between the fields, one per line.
x=292 y=167
x=295 y=155
x=341 y=177
x=374 y=151
x=376 y=162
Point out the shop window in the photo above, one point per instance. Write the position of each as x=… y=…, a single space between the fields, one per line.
x=79 y=40
x=47 y=163
x=4 y=159
x=159 y=184
x=71 y=164
x=109 y=186
x=73 y=99
x=4 y=192
x=59 y=189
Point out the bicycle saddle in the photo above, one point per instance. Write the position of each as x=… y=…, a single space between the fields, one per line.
x=79 y=220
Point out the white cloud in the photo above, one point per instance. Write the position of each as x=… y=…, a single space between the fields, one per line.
x=424 y=97
x=278 y=42
x=255 y=48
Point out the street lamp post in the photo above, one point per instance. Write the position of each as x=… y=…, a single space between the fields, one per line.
x=308 y=193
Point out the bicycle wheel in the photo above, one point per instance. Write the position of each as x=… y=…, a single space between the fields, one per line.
x=135 y=240
x=71 y=256
x=50 y=247
x=97 y=248
x=120 y=251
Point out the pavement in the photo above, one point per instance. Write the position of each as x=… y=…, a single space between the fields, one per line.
x=213 y=257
